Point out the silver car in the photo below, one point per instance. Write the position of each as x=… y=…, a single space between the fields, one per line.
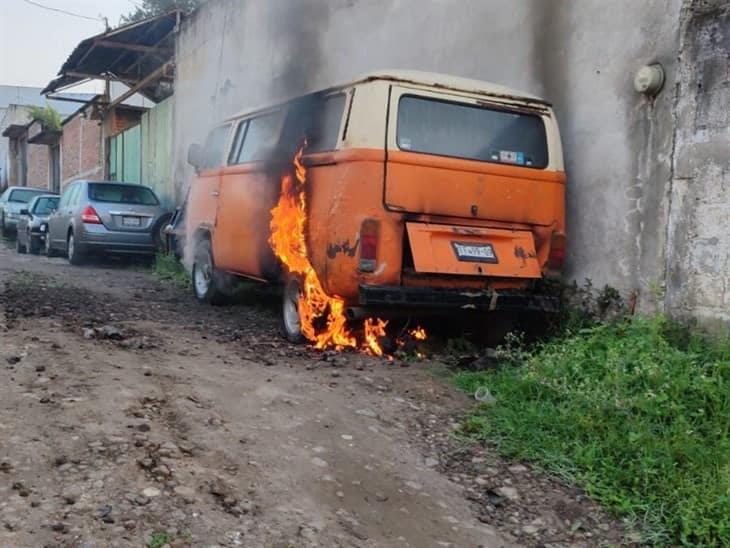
x=32 y=223
x=105 y=217
x=12 y=201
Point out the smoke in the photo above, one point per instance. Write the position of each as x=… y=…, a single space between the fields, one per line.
x=294 y=29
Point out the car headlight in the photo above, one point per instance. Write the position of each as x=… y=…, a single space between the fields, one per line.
x=43 y=228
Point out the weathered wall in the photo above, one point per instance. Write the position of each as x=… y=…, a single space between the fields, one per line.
x=81 y=151
x=156 y=129
x=698 y=262
x=37 y=174
x=580 y=54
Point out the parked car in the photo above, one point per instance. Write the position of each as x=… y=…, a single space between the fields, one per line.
x=12 y=201
x=105 y=217
x=33 y=223
x=424 y=192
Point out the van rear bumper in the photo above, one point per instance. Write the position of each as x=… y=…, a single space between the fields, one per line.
x=372 y=296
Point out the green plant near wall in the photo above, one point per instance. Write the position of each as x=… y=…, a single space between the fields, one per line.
x=48 y=116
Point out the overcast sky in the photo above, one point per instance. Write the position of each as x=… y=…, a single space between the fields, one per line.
x=34 y=42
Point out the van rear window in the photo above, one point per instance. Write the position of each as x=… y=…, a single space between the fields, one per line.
x=467 y=131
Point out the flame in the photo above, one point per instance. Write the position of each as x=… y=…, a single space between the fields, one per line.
x=322 y=317
x=374 y=329
x=418 y=333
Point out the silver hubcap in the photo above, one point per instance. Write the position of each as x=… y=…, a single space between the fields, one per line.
x=292 y=322
x=70 y=246
x=201 y=277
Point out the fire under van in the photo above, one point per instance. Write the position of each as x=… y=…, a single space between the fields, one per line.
x=424 y=192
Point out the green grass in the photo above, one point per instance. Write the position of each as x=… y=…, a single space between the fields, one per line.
x=636 y=412
x=159 y=539
x=167 y=268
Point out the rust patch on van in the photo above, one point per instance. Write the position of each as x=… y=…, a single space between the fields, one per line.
x=334 y=249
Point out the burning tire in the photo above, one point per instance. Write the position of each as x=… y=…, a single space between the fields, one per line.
x=206 y=278
x=291 y=326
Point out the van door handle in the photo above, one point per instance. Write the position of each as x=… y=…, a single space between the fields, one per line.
x=215 y=193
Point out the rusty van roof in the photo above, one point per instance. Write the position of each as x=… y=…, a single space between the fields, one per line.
x=419 y=78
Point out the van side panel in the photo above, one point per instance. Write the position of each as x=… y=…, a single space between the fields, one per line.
x=240 y=245
x=203 y=201
x=342 y=196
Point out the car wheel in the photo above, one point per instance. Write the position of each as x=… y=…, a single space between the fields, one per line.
x=206 y=278
x=34 y=246
x=159 y=236
x=20 y=248
x=73 y=253
x=291 y=325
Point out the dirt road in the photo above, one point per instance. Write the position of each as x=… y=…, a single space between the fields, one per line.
x=130 y=415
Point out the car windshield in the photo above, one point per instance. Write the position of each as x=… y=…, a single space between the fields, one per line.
x=23 y=195
x=45 y=206
x=122 y=194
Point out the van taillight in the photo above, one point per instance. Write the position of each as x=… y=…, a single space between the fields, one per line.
x=369 y=232
x=89 y=216
x=556 y=258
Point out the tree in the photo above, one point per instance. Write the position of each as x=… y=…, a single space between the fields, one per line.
x=152 y=8
x=47 y=116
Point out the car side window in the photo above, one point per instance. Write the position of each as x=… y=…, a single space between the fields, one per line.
x=66 y=197
x=76 y=198
x=326 y=124
x=4 y=196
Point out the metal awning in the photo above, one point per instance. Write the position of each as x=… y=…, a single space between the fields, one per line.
x=137 y=53
x=14 y=131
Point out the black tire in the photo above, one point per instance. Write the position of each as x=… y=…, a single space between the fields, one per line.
x=3 y=230
x=34 y=246
x=207 y=279
x=18 y=246
x=73 y=254
x=289 y=320
x=158 y=234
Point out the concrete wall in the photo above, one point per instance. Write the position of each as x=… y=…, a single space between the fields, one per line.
x=81 y=150
x=698 y=261
x=580 y=54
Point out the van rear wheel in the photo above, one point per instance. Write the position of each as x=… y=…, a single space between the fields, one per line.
x=291 y=325
x=206 y=278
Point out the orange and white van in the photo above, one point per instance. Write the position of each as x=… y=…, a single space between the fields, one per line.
x=424 y=192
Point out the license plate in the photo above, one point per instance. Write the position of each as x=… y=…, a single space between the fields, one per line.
x=473 y=252
x=131 y=221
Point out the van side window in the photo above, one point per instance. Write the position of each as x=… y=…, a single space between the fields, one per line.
x=327 y=124
x=261 y=137
x=213 y=152
x=237 y=140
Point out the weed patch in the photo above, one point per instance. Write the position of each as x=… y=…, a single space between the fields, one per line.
x=169 y=269
x=635 y=411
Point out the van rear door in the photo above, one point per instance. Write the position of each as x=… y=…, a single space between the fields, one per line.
x=460 y=156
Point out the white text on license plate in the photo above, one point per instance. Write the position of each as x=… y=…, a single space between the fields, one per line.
x=131 y=221
x=474 y=252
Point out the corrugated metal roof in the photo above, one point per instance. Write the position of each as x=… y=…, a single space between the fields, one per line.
x=128 y=53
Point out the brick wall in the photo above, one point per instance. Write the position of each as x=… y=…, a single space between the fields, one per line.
x=38 y=166
x=81 y=152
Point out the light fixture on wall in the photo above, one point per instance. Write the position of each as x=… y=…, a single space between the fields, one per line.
x=649 y=79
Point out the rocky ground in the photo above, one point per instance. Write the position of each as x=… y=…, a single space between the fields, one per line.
x=132 y=416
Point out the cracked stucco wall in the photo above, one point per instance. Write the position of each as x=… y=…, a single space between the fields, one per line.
x=637 y=188
x=698 y=263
